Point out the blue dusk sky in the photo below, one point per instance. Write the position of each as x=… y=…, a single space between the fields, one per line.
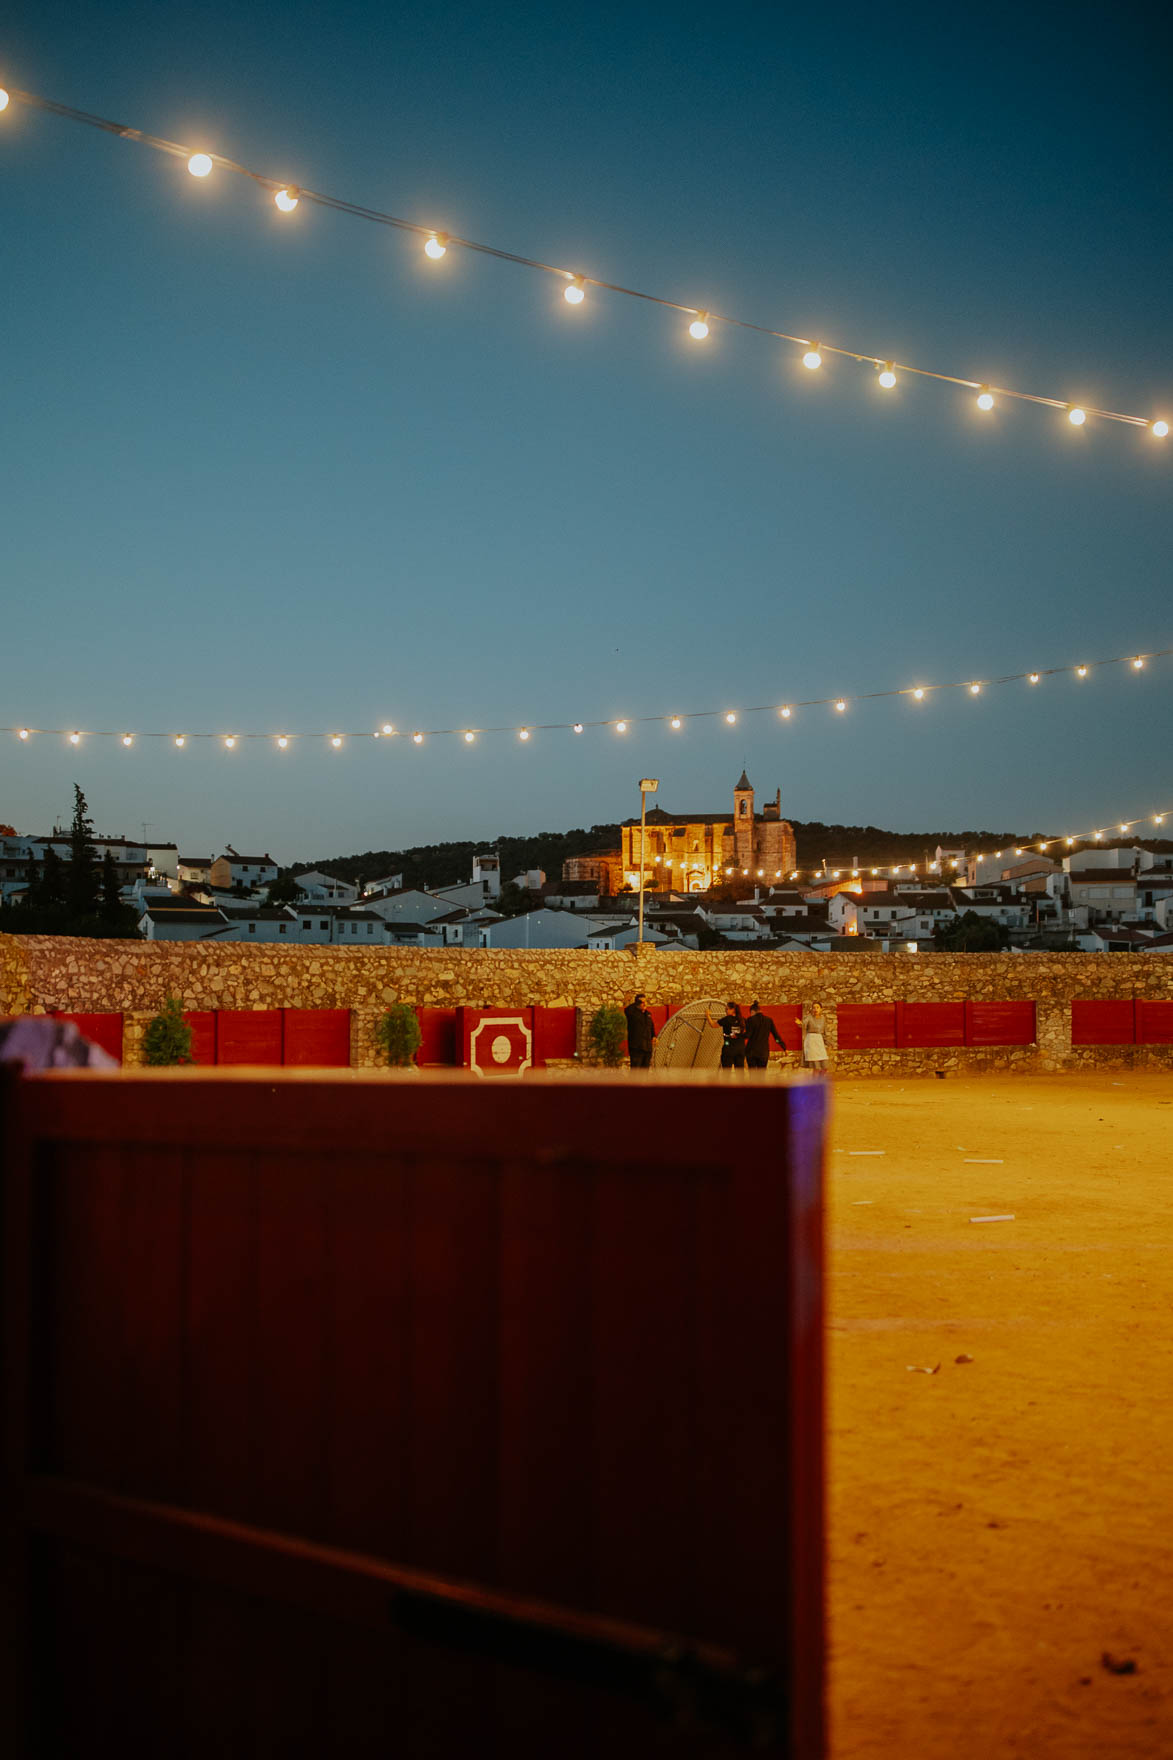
x=284 y=473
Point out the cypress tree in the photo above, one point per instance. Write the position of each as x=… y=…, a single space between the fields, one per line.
x=83 y=882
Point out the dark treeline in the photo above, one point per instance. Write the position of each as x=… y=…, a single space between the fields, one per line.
x=79 y=897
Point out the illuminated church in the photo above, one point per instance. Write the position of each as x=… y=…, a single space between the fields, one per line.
x=692 y=852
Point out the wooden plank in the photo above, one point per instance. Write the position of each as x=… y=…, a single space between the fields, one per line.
x=249 y=1035
x=100 y=1029
x=439 y=1036
x=1154 y=1021
x=1000 y=1023
x=202 y=1022
x=555 y=1034
x=928 y=1024
x=867 y=1025
x=316 y=1038
x=222 y=1440
x=1099 y=1021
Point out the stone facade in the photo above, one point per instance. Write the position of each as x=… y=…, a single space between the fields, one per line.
x=693 y=852
x=40 y=974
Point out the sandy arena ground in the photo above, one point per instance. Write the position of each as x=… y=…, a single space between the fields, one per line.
x=999 y=1527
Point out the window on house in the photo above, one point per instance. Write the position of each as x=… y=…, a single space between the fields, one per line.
x=370 y=928
x=281 y=928
x=324 y=925
x=252 y=928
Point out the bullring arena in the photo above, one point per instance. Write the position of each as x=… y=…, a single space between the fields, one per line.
x=1000 y=1567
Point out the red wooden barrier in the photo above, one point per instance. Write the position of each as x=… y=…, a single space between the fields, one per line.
x=317 y=1038
x=101 y=1029
x=1154 y=1022
x=497 y=1041
x=888 y=1025
x=1097 y=1022
x=439 y=1036
x=928 y=1024
x=248 y=1035
x=864 y=1025
x=555 y=1034
x=1000 y=1023
x=428 y=1417
x=203 y=1035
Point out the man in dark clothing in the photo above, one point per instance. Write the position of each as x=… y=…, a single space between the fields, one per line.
x=759 y=1030
x=641 y=1033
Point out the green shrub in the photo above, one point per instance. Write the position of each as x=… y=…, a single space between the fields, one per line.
x=606 y=1034
x=398 y=1035
x=167 y=1039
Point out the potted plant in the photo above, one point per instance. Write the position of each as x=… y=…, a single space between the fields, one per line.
x=397 y=1034
x=167 y=1039
x=606 y=1035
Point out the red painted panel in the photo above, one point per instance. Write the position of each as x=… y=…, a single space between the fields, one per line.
x=248 y=1035
x=1154 y=1023
x=203 y=1034
x=867 y=1025
x=1096 y=1022
x=317 y=1037
x=787 y=1017
x=930 y=1023
x=100 y=1029
x=555 y=1031
x=1000 y=1023
x=440 y=1030
x=497 y=1041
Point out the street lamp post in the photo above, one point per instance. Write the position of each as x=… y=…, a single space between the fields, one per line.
x=648 y=785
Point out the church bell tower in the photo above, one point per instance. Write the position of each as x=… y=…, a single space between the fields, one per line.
x=743 y=825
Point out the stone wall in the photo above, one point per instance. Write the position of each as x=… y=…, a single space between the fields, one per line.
x=45 y=973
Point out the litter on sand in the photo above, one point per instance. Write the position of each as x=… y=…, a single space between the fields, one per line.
x=867 y=1151
x=963 y=1358
x=1009 y=1218
x=856 y=1202
x=918 y=1369
x=983 y=1161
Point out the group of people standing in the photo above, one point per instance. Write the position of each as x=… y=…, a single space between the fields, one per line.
x=745 y=1039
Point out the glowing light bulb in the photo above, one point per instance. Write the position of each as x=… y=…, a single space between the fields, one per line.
x=180 y=739
x=417 y=739
x=24 y=733
x=777 y=873
x=1018 y=852
x=785 y=714
x=675 y=722
x=1158 y=818
x=841 y=705
x=523 y=733
x=730 y=717
x=1042 y=847
x=1081 y=672
x=230 y=741
x=199 y=165
x=282 y=742
x=286 y=200
x=621 y=727
x=469 y=737
x=888 y=376
x=436 y=246
x=985 y=399
x=1071 y=843
x=1034 y=678
x=574 y=292
x=127 y=739
x=1138 y=664
x=3 y=99
x=387 y=727
x=699 y=328
x=1076 y=416
x=578 y=727
x=335 y=741
x=812 y=358
x=75 y=739
x=1098 y=835
x=919 y=694
x=1159 y=430
x=1124 y=827
x=975 y=690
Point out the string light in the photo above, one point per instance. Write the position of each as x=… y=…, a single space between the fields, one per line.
x=888 y=377
x=436 y=243
x=127 y=740
x=417 y=739
x=24 y=733
x=180 y=740
x=1076 y=416
x=469 y=737
x=523 y=733
x=335 y=741
x=1136 y=663
x=4 y=100
x=575 y=292
x=286 y=200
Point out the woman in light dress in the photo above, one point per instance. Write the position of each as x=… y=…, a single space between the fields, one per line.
x=814 y=1045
